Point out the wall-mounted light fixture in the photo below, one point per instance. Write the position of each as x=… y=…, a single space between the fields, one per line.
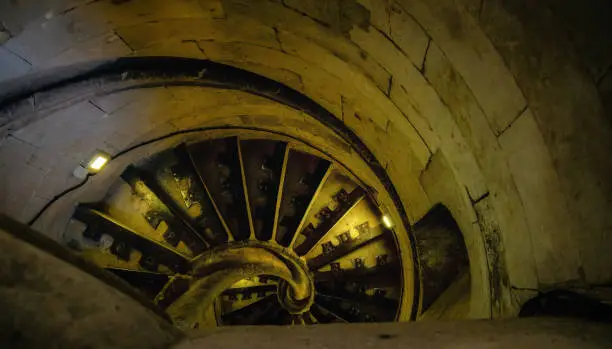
x=94 y=165
x=387 y=222
x=98 y=161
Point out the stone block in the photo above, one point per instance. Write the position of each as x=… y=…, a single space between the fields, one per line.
x=413 y=197
x=441 y=186
x=276 y=15
x=32 y=207
x=173 y=48
x=370 y=98
x=473 y=55
x=503 y=303
x=146 y=34
x=393 y=146
x=144 y=112
x=379 y=14
x=341 y=15
x=411 y=139
x=288 y=77
x=322 y=11
x=234 y=109
x=106 y=46
x=423 y=101
x=11 y=65
x=474 y=126
x=59 y=178
x=110 y=103
x=407 y=34
x=159 y=131
x=26 y=171
x=569 y=114
x=333 y=64
x=557 y=256
x=62 y=130
x=371 y=128
x=409 y=108
x=16 y=182
x=55 y=33
x=15 y=150
x=422 y=107
x=15 y=15
x=320 y=86
x=44 y=39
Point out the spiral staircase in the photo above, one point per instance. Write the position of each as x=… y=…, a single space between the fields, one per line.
x=246 y=231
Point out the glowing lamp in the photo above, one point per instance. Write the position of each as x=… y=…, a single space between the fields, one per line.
x=387 y=221
x=98 y=162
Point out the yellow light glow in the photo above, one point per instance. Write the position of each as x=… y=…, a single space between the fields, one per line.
x=387 y=221
x=98 y=162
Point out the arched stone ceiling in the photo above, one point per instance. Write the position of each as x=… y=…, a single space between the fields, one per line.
x=482 y=106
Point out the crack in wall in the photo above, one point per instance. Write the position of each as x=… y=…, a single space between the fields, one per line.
x=278 y=40
x=197 y=45
x=478 y=199
x=97 y=106
x=22 y=58
x=416 y=130
x=287 y=6
x=12 y=135
x=423 y=64
x=124 y=41
x=413 y=19
x=520 y=113
x=396 y=46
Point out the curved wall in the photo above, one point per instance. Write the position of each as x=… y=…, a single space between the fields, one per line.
x=484 y=106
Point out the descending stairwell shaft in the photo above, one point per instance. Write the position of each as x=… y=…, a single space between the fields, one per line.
x=241 y=231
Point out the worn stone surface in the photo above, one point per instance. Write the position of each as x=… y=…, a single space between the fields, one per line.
x=474 y=125
x=19 y=177
x=527 y=154
x=144 y=35
x=569 y=116
x=474 y=57
x=421 y=105
x=12 y=65
x=440 y=184
x=340 y=15
x=50 y=303
x=453 y=304
x=442 y=254
x=500 y=288
x=101 y=47
x=408 y=34
x=528 y=334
